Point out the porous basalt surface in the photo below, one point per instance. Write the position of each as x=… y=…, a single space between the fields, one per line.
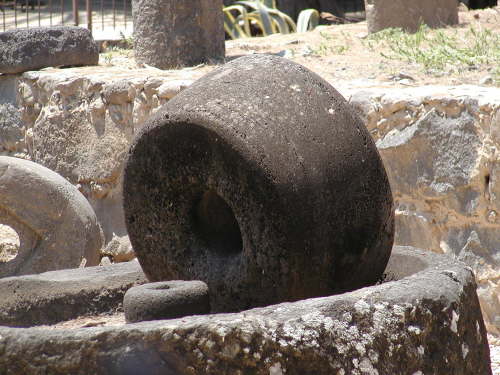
x=166 y=300
x=428 y=322
x=267 y=192
x=170 y=33
x=40 y=47
x=56 y=296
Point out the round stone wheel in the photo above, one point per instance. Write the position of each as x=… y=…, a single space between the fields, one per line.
x=260 y=180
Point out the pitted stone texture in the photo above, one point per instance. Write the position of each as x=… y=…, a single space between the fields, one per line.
x=57 y=227
x=166 y=300
x=170 y=33
x=56 y=296
x=11 y=129
x=267 y=193
x=441 y=148
x=409 y=15
x=428 y=322
x=40 y=47
x=80 y=125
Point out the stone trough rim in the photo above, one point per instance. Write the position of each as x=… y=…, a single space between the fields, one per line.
x=284 y=330
x=355 y=294
x=361 y=292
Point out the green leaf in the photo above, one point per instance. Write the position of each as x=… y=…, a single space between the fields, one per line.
x=308 y=20
x=266 y=22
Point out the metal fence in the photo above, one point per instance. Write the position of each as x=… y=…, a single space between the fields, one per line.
x=107 y=19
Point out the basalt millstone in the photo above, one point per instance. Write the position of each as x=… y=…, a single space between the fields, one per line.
x=261 y=181
x=56 y=225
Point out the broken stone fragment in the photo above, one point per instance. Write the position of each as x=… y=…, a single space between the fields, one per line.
x=11 y=129
x=119 y=249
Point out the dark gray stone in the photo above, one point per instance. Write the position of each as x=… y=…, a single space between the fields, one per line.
x=11 y=128
x=56 y=225
x=427 y=323
x=171 y=33
x=260 y=181
x=8 y=88
x=56 y=296
x=40 y=47
x=166 y=300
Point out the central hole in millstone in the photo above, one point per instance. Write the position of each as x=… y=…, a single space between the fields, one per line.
x=9 y=243
x=216 y=225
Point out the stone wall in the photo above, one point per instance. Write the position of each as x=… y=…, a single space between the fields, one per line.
x=440 y=146
x=80 y=125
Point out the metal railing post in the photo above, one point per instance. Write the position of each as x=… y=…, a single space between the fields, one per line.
x=75 y=13
x=89 y=14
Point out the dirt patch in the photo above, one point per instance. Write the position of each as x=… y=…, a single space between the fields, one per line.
x=117 y=319
x=346 y=52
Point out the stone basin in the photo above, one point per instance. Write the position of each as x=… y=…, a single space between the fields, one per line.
x=423 y=318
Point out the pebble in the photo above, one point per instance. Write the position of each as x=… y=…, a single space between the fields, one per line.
x=487 y=80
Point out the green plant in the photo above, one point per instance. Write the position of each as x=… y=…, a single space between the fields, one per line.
x=246 y=18
x=127 y=42
x=108 y=57
x=328 y=46
x=439 y=50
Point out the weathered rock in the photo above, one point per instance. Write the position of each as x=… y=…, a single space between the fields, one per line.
x=11 y=129
x=428 y=322
x=409 y=15
x=441 y=148
x=120 y=249
x=55 y=223
x=268 y=193
x=8 y=88
x=166 y=300
x=57 y=296
x=35 y=48
x=170 y=33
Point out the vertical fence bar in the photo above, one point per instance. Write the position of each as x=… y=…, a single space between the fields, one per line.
x=3 y=14
x=39 y=13
x=75 y=13
x=62 y=12
x=50 y=12
x=15 y=14
x=102 y=15
x=27 y=14
x=124 y=14
x=114 y=14
x=89 y=15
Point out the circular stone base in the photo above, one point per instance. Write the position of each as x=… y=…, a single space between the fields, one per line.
x=426 y=321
